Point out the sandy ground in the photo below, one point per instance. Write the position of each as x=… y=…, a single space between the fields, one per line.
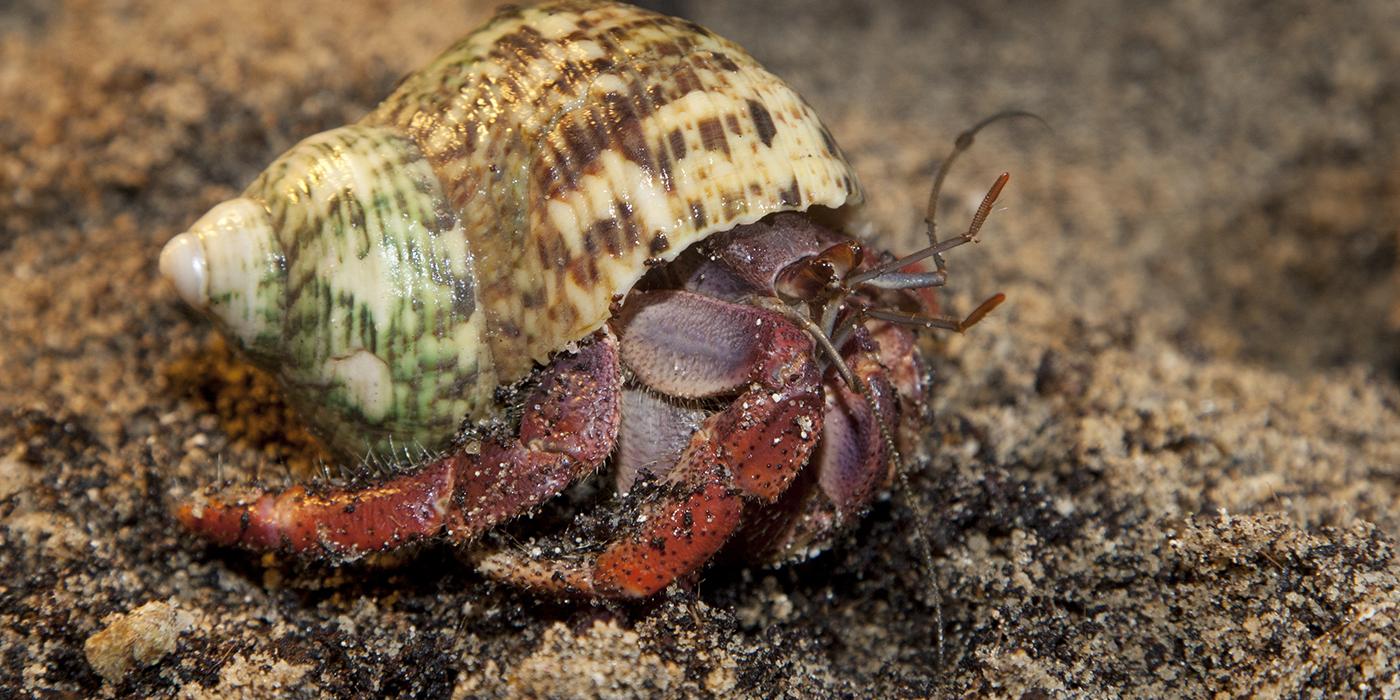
x=1169 y=465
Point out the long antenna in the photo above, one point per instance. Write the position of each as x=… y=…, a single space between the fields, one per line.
x=961 y=144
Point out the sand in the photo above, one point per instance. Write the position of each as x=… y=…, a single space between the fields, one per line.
x=1169 y=465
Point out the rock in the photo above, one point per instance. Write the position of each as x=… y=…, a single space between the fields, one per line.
x=138 y=638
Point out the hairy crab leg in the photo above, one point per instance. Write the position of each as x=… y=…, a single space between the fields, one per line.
x=568 y=428
x=339 y=521
x=684 y=344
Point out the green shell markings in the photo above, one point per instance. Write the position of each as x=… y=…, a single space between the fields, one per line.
x=392 y=273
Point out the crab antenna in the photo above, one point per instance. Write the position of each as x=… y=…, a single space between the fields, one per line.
x=983 y=211
x=924 y=543
x=951 y=323
x=921 y=537
x=832 y=350
x=985 y=208
x=960 y=144
x=830 y=315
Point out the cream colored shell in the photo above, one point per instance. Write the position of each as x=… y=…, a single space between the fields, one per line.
x=393 y=273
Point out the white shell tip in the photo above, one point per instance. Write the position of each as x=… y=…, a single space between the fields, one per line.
x=183 y=263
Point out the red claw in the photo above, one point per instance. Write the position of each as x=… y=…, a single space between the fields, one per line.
x=749 y=452
x=682 y=531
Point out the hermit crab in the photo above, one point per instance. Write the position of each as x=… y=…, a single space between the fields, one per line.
x=586 y=234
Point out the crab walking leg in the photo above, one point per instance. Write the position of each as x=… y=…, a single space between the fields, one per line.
x=684 y=344
x=340 y=521
x=568 y=427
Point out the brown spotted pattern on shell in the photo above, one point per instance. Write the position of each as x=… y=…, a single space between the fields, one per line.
x=579 y=140
x=394 y=272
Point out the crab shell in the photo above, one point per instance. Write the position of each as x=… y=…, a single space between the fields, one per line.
x=393 y=273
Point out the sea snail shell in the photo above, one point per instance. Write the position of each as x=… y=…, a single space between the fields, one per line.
x=394 y=272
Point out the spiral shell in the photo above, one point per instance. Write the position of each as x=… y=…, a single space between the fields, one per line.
x=394 y=272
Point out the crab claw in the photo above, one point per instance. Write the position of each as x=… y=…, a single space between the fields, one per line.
x=850 y=467
x=688 y=345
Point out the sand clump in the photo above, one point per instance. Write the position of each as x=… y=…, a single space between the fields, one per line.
x=138 y=638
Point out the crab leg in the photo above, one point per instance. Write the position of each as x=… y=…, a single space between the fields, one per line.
x=684 y=344
x=569 y=425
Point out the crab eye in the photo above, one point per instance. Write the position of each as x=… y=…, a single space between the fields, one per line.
x=816 y=275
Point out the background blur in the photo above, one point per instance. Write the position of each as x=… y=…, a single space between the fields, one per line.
x=1168 y=465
